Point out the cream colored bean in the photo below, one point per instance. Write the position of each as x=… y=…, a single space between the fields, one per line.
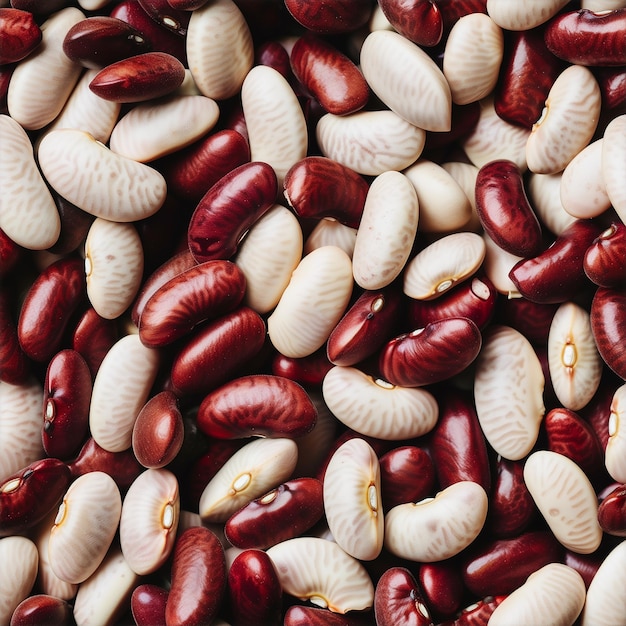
x=524 y=14
x=613 y=164
x=567 y=500
x=615 y=455
x=330 y=232
x=544 y=191
x=497 y=265
x=465 y=174
x=18 y=572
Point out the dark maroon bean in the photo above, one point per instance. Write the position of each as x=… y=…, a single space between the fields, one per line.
x=612 y=83
x=398 y=599
x=504 y=210
x=203 y=292
x=605 y=258
x=329 y=75
x=14 y=364
x=608 y=325
x=191 y=172
x=308 y=371
x=587 y=38
x=218 y=351
x=27 y=496
x=597 y=411
x=122 y=467
x=66 y=399
x=297 y=615
x=526 y=76
x=75 y=224
x=317 y=187
x=254 y=590
x=158 y=431
x=229 y=208
x=147 y=605
x=585 y=564
x=186 y=5
x=139 y=78
x=42 y=609
x=259 y=404
x=532 y=319
x=20 y=34
x=442 y=586
x=511 y=507
x=39 y=7
x=612 y=512
x=98 y=41
x=365 y=327
x=330 y=16
x=457 y=444
x=476 y=614
x=501 y=566
x=283 y=513
x=431 y=354
x=198 y=578
x=162 y=12
x=407 y=474
x=10 y=253
x=48 y=307
x=93 y=338
x=557 y=275
x=420 y=21
x=274 y=54
x=453 y=10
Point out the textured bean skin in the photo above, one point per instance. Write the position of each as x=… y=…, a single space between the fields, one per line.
x=608 y=324
x=419 y=21
x=329 y=16
x=20 y=34
x=167 y=16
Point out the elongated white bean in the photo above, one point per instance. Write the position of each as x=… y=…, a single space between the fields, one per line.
x=523 y=15
x=497 y=265
x=330 y=232
x=18 y=572
x=613 y=163
x=544 y=191
x=615 y=455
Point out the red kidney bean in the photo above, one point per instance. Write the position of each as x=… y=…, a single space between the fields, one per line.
x=147 y=605
x=365 y=327
x=158 y=431
x=442 y=586
x=596 y=412
x=612 y=82
x=229 y=208
x=407 y=474
x=476 y=614
x=585 y=564
x=504 y=210
x=605 y=258
x=66 y=399
x=27 y=496
x=612 y=512
x=10 y=253
x=511 y=508
x=39 y=7
x=587 y=38
x=283 y=513
x=297 y=615
x=274 y=54
x=49 y=304
x=329 y=75
x=532 y=319
x=254 y=589
x=457 y=445
x=526 y=76
x=20 y=34
x=499 y=567
x=139 y=78
x=93 y=338
x=14 y=364
x=202 y=292
x=398 y=599
x=329 y=16
x=198 y=578
x=75 y=224
x=42 y=609
x=259 y=404
x=420 y=21
x=164 y=14
x=475 y=299
x=608 y=325
x=557 y=274
x=431 y=354
x=308 y=371
x=218 y=351
x=453 y=10
x=98 y=41
x=122 y=467
x=191 y=172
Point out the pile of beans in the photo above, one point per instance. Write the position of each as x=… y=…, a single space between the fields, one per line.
x=313 y=312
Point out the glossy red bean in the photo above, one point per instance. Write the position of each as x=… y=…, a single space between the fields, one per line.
x=229 y=208
x=365 y=327
x=66 y=399
x=526 y=76
x=399 y=600
x=585 y=564
x=147 y=605
x=420 y=21
x=274 y=54
x=442 y=586
x=431 y=354
x=329 y=16
x=10 y=252
x=302 y=615
x=608 y=325
x=254 y=590
x=612 y=83
x=14 y=364
x=283 y=513
x=191 y=172
x=27 y=496
x=98 y=41
x=605 y=258
x=42 y=609
x=20 y=34
x=598 y=409
x=164 y=14
x=587 y=38
x=139 y=78
x=532 y=319
x=476 y=614
x=49 y=304
x=198 y=578
x=308 y=371
x=612 y=512
x=504 y=210
x=217 y=352
x=557 y=274
x=319 y=187
x=457 y=444
x=453 y=10
x=203 y=292
x=259 y=404
x=93 y=338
